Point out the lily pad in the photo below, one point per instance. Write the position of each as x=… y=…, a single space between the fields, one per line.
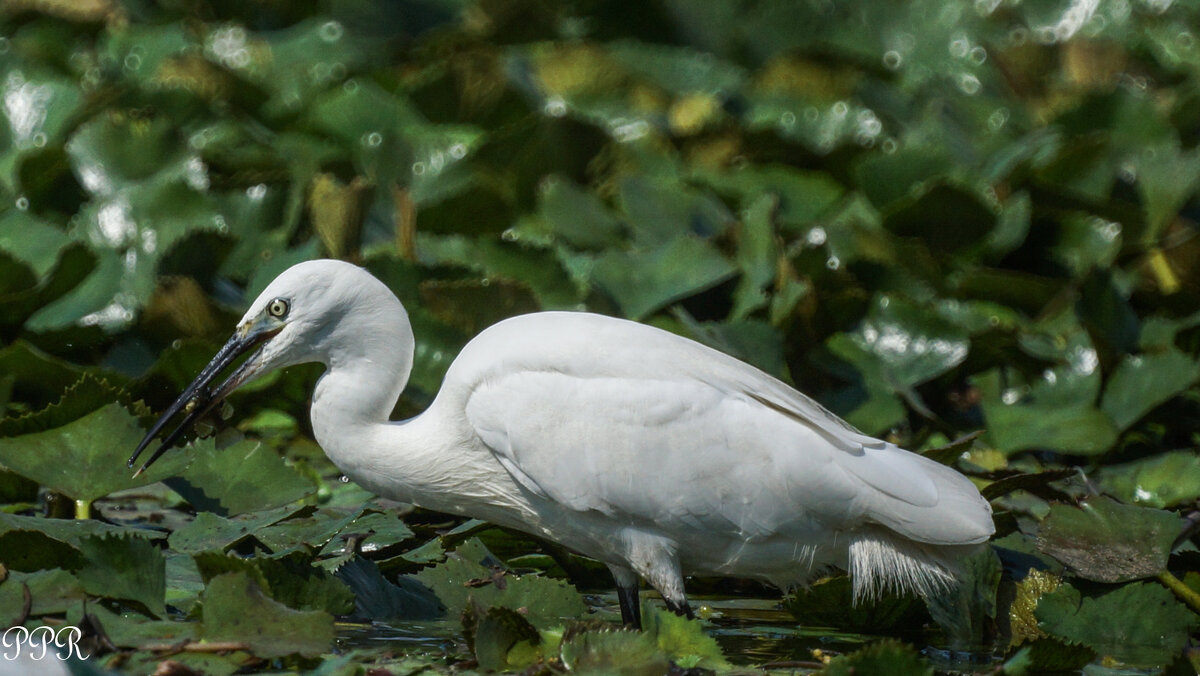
x=884 y=657
x=1142 y=382
x=33 y=550
x=84 y=459
x=291 y=580
x=125 y=568
x=50 y=592
x=1106 y=541
x=472 y=574
x=236 y=610
x=248 y=476
x=613 y=651
x=209 y=531
x=682 y=639
x=1161 y=481
x=1139 y=624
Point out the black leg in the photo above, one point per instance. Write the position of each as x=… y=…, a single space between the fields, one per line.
x=631 y=615
x=682 y=608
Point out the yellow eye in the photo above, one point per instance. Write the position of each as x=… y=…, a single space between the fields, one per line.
x=278 y=308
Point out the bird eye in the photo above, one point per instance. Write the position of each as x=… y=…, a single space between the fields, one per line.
x=278 y=308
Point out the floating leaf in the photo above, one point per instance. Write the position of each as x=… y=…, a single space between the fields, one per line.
x=1142 y=382
x=613 y=651
x=211 y=532
x=237 y=611
x=1161 y=481
x=547 y=601
x=883 y=657
x=682 y=640
x=84 y=459
x=1138 y=624
x=33 y=550
x=291 y=580
x=501 y=638
x=946 y=217
x=126 y=568
x=50 y=592
x=1106 y=541
x=248 y=476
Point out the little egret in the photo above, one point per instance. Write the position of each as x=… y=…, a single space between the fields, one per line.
x=647 y=451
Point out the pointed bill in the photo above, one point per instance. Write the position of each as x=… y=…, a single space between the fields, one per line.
x=198 y=399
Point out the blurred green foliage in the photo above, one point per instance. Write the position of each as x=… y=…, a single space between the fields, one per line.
x=932 y=216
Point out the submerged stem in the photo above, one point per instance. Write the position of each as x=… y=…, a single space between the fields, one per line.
x=1184 y=592
x=83 y=509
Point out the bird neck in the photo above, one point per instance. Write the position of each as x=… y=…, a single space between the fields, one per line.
x=368 y=356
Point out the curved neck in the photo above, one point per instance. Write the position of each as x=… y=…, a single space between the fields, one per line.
x=368 y=355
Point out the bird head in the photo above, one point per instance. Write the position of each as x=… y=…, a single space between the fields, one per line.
x=291 y=322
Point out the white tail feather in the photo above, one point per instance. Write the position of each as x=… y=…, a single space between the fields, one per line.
x=881 y=561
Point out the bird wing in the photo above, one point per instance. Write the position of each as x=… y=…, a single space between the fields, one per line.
x=637 y=423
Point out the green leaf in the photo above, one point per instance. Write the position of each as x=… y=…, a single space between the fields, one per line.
x=1106 y=541
x=1167 y=178
x=884 y=657
x=1066 y=426
x=33 y=550
x=126 y=568
x=682 y=640
x=946 y=217
x=661 y=212
x=50 y=592
x=912 y=344
x=757 y=257
x=131 y=630
x=644 y=281
x=547 y=601
x=236 y=610
x=1165 y=480
x=613 y=651
x=211 y=532
x=73 y=531
x=249 y=476
x=801 y=197
x=313 y=527
x=291 y=580
x=576 y=215
x=84 y=459
x=1141 y=382
x=496 y=635
x=1140 y=624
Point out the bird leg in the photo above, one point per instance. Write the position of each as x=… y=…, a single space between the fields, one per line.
x=682 y=608
x=631 y=614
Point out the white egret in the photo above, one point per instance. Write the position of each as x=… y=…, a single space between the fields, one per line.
x=647 y=451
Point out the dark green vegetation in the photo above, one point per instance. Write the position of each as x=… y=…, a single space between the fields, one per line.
x=934 y=216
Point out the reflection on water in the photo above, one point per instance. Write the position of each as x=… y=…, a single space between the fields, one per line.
x=751 y=632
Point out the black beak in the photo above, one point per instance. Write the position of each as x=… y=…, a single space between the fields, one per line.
x=197 y=400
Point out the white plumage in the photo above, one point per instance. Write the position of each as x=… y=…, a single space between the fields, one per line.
x=652 y=453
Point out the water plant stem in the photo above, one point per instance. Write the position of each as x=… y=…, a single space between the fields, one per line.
x=83 y=509
x=1184 y=592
